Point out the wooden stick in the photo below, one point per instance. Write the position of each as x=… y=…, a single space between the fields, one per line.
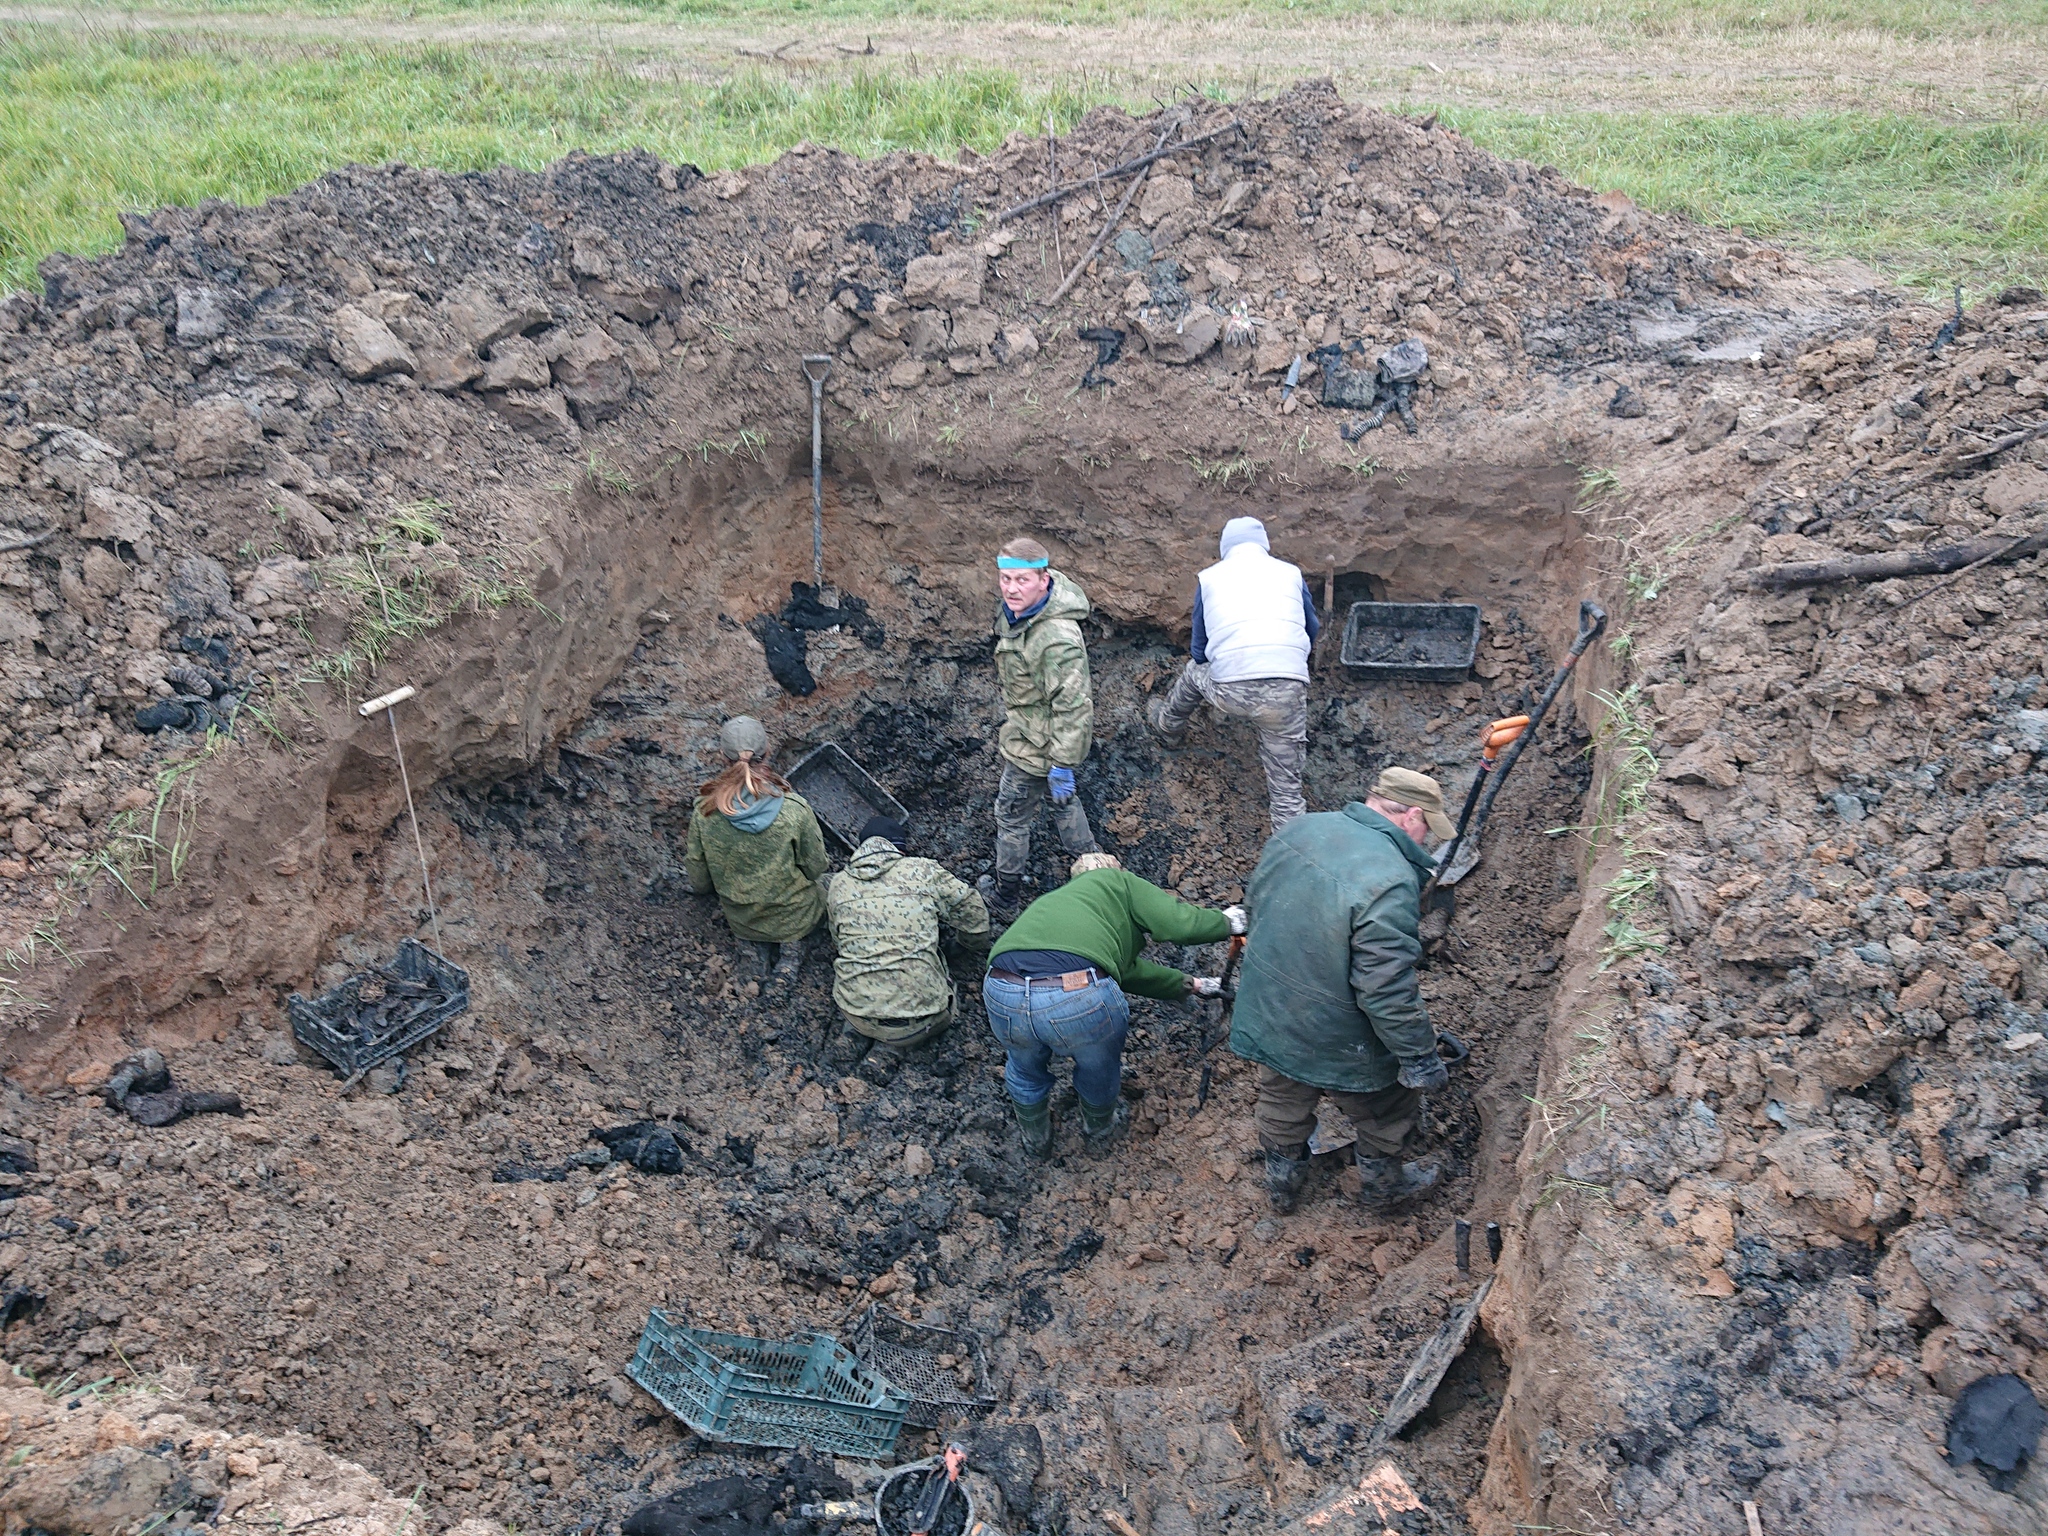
x=30 y=542
x=1101 y=239
x=1118 y=1523
x=1918 y=562
x=2010 y=440
x=1959 y=575
x=1052 y=159
x=1143 y=162
x=1756 y=1525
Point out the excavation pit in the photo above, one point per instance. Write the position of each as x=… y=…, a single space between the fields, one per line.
x=1702 y=1224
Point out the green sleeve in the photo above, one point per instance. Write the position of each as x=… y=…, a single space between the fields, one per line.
x=1384 y=949
x=1148 y=978
x=1071 y=699
x=1169 y=919
x=694 y=863
x=811 y=857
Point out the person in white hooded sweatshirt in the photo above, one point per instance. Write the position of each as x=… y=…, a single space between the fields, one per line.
x=1253 y=625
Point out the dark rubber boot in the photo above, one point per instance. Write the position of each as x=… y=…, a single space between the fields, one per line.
x=782 y=979
x=1155 y=717
x=1003 y=895
x=1286 y=1173
x=1099 y=1127
x=1034 y=1127
x=1387 y=1182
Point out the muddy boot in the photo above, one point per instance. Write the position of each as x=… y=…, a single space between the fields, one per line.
x=782 y=979
x=845 y=1051
x=1034 y=1128
x=757 y=960
x=1286 y=1173
x=1155 y=717
x=1099 y=1127
x=1003 y=895
x=1386 y=1182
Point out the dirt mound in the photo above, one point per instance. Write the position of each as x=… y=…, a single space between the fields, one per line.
x=539 y=445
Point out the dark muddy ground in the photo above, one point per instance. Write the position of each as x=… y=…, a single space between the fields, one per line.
x=470 y=1334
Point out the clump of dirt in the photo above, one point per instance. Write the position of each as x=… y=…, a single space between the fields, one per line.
x=1749 y=1086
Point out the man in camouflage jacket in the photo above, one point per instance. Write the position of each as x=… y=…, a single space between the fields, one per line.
x=1048 y=712
x=885 y=910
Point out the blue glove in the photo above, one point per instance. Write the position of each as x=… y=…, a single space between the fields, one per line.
x=1062 y=782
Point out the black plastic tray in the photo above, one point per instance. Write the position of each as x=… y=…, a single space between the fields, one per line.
x=1412 y=642
x=841 y=793
x=330 y=1024
x=908 y=1353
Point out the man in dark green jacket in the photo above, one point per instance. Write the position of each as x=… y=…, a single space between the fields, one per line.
x=1056 y=985
x=1329 y=1001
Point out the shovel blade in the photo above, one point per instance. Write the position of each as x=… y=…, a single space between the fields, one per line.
x=1461 y=866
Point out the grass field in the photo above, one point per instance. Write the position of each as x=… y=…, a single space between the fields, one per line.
x=1940 y=179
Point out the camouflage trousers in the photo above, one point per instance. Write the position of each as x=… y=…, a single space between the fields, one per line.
x=1276 y=706
x=1018 y=796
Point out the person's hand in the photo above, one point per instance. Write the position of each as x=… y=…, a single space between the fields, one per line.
x=1205 y=986
x=1061 y=781
x=1239 y=919
x=1427 y=1073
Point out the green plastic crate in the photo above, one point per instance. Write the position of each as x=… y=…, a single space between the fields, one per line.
x=805 y=1391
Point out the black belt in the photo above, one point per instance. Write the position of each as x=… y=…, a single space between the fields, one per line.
x=1069 y=981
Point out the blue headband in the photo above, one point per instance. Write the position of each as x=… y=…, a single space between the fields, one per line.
x=1012 y=563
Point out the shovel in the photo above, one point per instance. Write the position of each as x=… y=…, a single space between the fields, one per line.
x=1461 y=854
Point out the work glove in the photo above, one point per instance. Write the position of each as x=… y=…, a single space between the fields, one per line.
x=1061 y=781
x=1206 y=986
x=1427 y=1073
x=1239 y=919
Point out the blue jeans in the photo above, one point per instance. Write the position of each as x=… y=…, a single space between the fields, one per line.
x=1036 y=1023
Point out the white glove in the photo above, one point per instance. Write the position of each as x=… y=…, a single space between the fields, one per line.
x=1239 y=919
x=1206 y=986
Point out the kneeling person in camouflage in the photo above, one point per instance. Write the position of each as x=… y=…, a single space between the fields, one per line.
x=885 y=911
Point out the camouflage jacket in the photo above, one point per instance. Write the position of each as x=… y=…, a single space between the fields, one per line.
x=1042 y=663
x=884 y=911
x=766 y=881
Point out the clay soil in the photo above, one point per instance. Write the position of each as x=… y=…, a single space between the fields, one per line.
x=1763 y=1140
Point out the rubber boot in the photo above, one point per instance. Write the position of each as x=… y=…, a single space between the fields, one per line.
x=1155 y=717
x=1003 y=895
x=782 y=979
x=1099 y=1127
x=1034 y=1127
x=1387 y=1182
x=1286 y=1173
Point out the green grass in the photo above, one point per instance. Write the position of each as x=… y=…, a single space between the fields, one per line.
x=94 y=123
x=1927 y=202
x=89 y=128
x=1617 y=18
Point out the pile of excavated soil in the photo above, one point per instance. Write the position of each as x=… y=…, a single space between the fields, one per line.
x=538 y=445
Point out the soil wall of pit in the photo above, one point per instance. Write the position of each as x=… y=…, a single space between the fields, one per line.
x=282 y=851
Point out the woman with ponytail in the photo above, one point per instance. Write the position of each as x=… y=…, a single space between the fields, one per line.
x=755 y=842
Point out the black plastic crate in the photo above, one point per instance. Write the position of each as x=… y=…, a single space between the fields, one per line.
x=842 y=794
x=908 y=1353
x=1412 y=642
x=382 y=1012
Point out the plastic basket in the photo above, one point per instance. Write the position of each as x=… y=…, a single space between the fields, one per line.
x=425 y=991
x=1412 y=642
x=841 y=793
x=805 y=1391
x=908 y=1353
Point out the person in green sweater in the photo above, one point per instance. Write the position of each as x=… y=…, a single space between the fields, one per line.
x=1056 y=984
x=755 y=842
